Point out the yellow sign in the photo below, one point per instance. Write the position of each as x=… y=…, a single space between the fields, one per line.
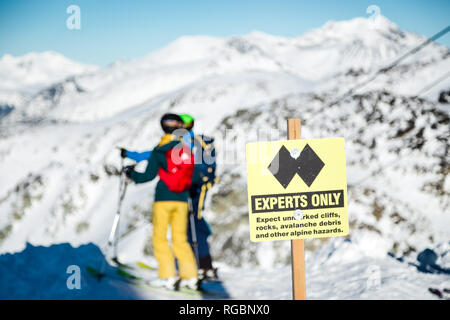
x=297 y=189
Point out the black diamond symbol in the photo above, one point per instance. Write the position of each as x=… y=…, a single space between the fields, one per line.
x=308 y=165
x=283 y=167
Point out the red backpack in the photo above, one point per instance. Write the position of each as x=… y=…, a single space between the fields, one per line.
x=180 y=168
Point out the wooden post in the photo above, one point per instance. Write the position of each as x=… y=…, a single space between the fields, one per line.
x=297 y=246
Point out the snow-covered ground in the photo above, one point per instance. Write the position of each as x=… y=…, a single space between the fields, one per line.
x=61 y=121
x=338 y=270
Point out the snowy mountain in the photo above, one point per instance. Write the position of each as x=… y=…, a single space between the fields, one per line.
x=22 y=77
x=209 y=65
x=56 y=142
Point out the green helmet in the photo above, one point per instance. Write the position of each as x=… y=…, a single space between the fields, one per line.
x=188 y=120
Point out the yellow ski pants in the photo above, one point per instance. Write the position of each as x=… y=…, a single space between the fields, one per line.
x=175 y=214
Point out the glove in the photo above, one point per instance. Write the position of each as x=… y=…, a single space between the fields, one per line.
x=127 y=170
x=123 y=152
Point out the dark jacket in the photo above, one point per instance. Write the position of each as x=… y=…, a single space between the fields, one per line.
x=158 y=160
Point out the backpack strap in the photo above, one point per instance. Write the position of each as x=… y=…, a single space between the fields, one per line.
x=205 y=187
x=202 y=143
x=201 y=200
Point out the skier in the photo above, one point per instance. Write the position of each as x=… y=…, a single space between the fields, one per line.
x=203 y=178
x=170 y=206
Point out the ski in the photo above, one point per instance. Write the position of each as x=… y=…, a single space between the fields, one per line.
x=143 y=283
x=140 y=264
x=125 y=275
x=143 y=265
x=94 y=272
x=210 y=286
x=115 y=261
x=180 y=292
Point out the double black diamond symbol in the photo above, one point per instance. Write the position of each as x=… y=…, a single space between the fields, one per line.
x=284 y=167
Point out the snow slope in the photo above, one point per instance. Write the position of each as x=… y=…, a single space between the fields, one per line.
x=350 y=274
x=54 y=145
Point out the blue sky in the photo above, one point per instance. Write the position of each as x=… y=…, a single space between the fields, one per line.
x=125 y=29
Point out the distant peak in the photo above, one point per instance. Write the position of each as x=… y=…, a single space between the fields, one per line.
x=258 y=34
x=379 y=22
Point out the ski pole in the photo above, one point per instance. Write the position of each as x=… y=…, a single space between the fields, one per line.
x=112 y=239
x=193 y=232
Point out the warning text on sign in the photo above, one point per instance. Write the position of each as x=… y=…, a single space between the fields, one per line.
x=311 y=225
